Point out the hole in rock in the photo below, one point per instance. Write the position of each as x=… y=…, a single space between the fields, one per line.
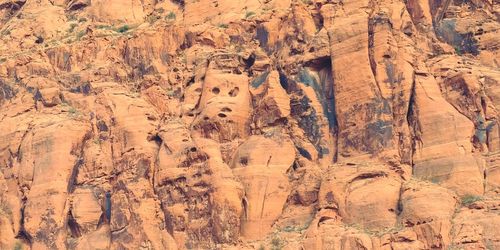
x=244 y=161
x=324 y=218
x=101 y=125
x=250 y=60
x=234 y=92
x=216 y=90
x=157 y=140
x=222 y=115
x=39 y=40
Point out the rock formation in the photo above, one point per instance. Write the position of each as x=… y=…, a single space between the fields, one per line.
x=249 y=124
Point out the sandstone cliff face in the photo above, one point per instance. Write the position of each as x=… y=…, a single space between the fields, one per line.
x=275 y=124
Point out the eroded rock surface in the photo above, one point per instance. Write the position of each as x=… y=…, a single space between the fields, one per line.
x=277 y=124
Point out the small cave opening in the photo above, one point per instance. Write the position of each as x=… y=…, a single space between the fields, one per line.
x=244 y=161
x=190 y=81
x=157 y=139
x=250 y=60
x=234 y=92
x=324 y=218
x=101 y=125
x=319 y=63
x=77 y=6
x=39 y=40
x=295 y=165
x=226 y=109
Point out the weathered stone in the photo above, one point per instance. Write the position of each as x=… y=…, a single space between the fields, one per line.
x=234 y=124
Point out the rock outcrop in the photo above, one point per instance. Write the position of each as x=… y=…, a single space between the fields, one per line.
x=231 y=124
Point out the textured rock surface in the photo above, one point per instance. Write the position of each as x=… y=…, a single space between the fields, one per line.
x=231 y=124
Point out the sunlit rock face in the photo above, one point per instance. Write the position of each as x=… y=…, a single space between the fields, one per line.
x=277 y=124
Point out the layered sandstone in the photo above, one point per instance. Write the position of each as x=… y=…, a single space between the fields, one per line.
x=276 y=124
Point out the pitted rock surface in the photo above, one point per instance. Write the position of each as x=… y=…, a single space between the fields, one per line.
x=231 y=124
